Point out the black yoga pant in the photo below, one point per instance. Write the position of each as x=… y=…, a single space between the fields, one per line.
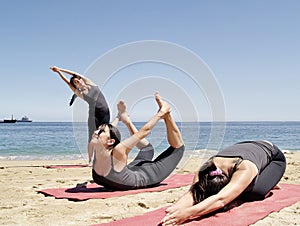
x=145 y=154
x=97 y=117
x=160 y=168
x=269 y=177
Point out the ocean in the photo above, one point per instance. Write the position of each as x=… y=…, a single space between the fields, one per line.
x=67 y=140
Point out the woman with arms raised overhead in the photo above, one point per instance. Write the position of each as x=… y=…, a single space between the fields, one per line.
x=87 y=90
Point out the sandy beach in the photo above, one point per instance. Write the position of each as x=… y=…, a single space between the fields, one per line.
x=21 y=204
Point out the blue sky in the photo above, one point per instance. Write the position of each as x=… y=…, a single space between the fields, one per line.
x=252 y=48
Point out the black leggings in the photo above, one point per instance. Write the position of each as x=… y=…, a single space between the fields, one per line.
x=145 y=154
x=161 y=167
x=269 y=177
x=97 y=117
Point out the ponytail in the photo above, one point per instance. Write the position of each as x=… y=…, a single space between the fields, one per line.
x=72 y=99
x=73 y=85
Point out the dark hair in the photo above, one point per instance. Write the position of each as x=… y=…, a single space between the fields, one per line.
x=113 y=133
x=72 y=80
x=208 y=185
x=72 y=99
x=72 y=84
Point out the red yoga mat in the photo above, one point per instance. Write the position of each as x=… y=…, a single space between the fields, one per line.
x=65 y=166
x=244 y=214
x=94 y=191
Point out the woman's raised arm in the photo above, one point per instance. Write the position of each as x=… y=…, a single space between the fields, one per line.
x=73 y=73
x=58 y=71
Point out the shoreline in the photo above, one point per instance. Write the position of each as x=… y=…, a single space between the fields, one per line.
x=82 y=158
x=20 y=204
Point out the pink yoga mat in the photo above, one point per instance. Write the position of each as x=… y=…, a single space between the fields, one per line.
x=244 y=214
x=65 y=166
x=94 y=191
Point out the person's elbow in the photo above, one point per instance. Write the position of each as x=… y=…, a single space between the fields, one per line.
x=222 y=201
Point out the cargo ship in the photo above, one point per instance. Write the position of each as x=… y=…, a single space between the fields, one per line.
x=12 y=120
x=24 y=119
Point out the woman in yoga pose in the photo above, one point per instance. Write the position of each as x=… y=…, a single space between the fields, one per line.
x=110 y=168
x=87 y=90
x=250 y=169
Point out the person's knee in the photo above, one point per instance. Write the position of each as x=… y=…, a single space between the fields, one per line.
x=254 y=196
x=148 y=147
x=180 y=149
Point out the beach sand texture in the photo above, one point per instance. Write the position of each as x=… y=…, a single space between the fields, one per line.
x=20 y=204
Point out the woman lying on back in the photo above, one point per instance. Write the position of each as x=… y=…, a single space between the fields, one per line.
x=110 y=168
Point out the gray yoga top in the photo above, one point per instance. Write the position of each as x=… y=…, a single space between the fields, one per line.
x=142 y=174
x=95 y=98
x=125 y=179
x=258 y=152
x=269 y=160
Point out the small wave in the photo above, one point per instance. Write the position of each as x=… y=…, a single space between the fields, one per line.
x=43 y=157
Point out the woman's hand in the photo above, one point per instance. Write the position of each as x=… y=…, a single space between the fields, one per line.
x=122 y=112
x=54 y=68
x=175 y=216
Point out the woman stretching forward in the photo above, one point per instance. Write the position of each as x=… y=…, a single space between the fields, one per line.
x=249 y=168
x=110 y=167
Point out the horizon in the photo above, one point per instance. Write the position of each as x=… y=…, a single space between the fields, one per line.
x=266 y=121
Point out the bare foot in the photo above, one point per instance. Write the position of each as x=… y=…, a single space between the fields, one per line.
x=164 y=107
x=122 y=112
